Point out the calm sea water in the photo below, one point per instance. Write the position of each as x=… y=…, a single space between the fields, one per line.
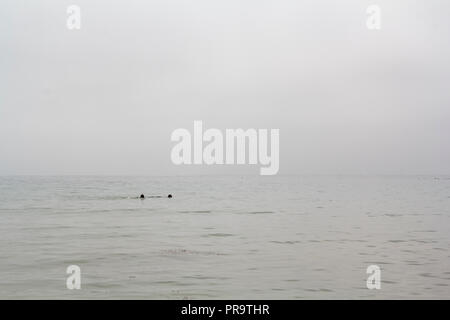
x=283 y=237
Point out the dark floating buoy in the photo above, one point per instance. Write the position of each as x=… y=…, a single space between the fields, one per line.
x=142 y=196
x=169 y=196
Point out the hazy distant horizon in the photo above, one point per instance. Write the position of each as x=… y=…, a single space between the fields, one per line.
x=439 y=175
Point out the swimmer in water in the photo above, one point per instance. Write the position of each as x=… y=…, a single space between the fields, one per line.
x=143 y=197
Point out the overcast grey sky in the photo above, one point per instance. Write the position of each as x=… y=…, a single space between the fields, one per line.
x=105 y=99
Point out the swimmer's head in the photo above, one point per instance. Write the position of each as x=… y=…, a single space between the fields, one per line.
x=169 y=196
x=142 y=196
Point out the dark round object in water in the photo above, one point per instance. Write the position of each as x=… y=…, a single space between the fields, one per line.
x=169 y=196
x=142 y=196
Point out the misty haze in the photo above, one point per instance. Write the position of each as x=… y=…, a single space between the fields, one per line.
x=92 y=92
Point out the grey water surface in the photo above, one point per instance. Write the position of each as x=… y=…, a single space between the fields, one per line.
x=225 y=237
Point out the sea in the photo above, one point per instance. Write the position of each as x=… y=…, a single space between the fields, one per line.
x=225 y=237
